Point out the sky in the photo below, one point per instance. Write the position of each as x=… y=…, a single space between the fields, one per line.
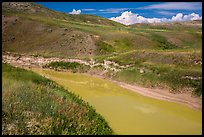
x=132 y=12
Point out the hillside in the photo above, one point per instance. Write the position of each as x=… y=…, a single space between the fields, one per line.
x=33 y=8
x=195 y=25
x=51 y=33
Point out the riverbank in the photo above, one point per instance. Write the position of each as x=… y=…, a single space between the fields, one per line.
x=162 y=94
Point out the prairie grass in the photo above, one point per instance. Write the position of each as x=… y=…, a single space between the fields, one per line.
x=176 y=57
x=160 y=75
x=162 y=42
x=105 y=48
x=32 y=104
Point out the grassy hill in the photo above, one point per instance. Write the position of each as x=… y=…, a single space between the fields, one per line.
x=51 y=33
x=33 y=8
x=195 y=25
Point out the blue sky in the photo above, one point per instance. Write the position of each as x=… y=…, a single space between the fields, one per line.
x=115 y=9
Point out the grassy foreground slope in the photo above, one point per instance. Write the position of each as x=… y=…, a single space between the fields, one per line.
x=32 y=104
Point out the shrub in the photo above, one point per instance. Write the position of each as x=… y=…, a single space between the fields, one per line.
x=162 y=42
x=73 y=66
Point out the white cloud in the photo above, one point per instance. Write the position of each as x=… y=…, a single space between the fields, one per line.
x=75 y=11
x=175 y=6
x=88 y=9
x=165 y=12
x=178 y=17
x=129 y=18
x=181 y=17
x=113 y=10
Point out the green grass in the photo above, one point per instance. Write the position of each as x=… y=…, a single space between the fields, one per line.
x=163 y=68
x=162 y=42
x=174 y=26
x=81 y=18
x=32 y=104
x=122 y=45
x=175 y=57
x=164 y=76
x=86 y=27
x=105 y=48
x=74 y=66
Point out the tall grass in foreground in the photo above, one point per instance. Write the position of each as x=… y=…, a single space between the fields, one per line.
x=32 y=104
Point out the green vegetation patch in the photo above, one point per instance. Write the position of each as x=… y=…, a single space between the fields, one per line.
x=178 y=58
x=32 y=104
x=73 y=66
x=163 y=75
x=162 y=42
x=123 y=44
x=105 y=48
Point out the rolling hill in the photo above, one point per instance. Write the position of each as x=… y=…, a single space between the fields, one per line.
x=32 y=29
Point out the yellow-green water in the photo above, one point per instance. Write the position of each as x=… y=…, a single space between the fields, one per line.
x=128 y=112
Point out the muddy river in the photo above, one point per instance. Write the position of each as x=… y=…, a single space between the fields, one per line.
x=128 y=112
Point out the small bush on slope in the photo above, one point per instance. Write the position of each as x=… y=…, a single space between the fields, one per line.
x=74 y=66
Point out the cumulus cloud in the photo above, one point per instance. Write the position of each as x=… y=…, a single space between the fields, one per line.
x=129 y=18
x=181 y=17
x=75 y=11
